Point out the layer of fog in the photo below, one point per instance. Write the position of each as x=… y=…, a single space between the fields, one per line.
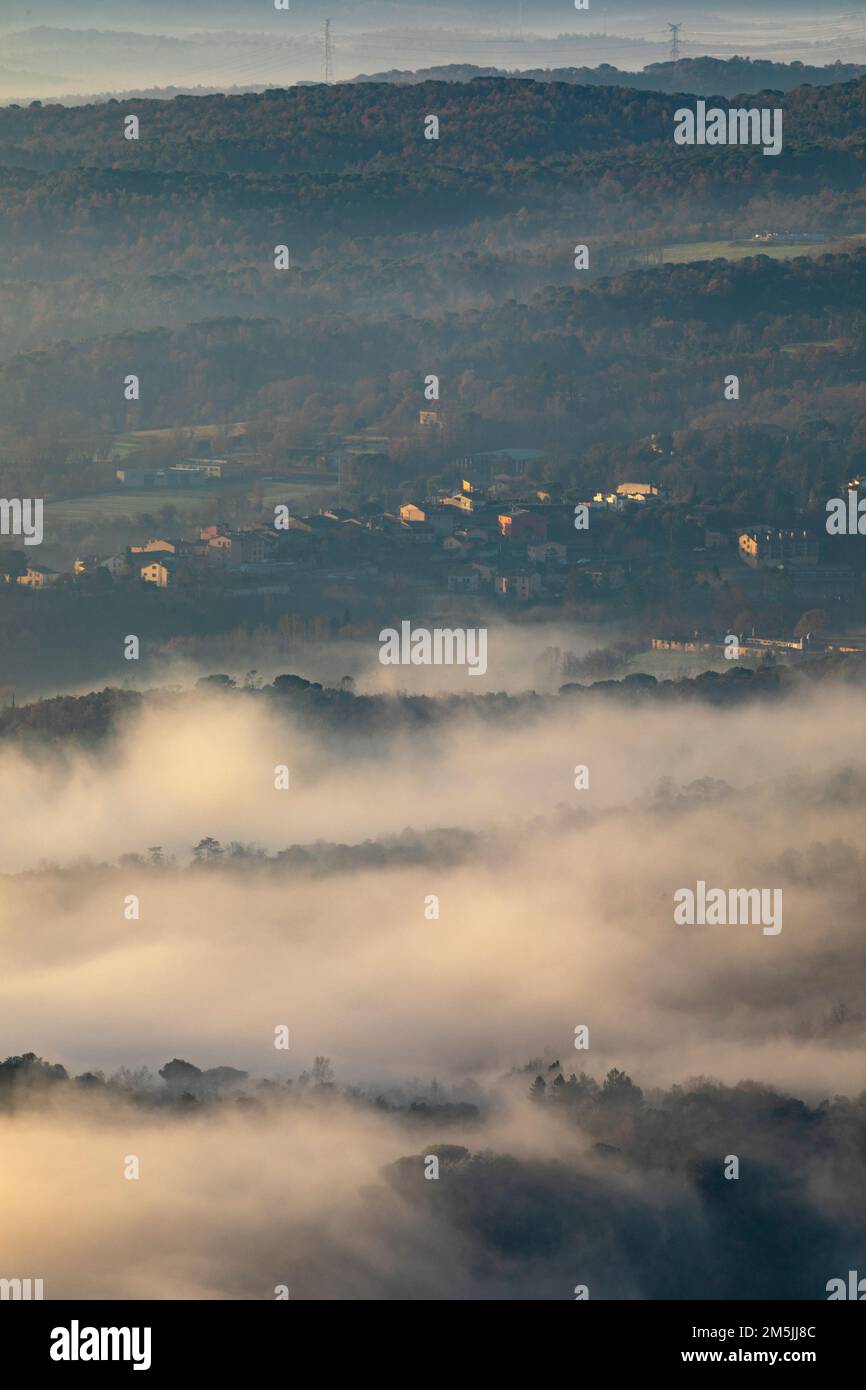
x=537 y=655
x=324 y=1198
x=560 y=912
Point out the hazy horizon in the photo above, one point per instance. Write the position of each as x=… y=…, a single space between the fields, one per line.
x=113 y=47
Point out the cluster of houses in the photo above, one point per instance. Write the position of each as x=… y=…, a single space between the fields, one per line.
x=163 y=561
x=180 y=475
x=494 y=533
x=517 y=549
x=159 y=560
x=769 y=648
x=468 y=541
x=797 y=552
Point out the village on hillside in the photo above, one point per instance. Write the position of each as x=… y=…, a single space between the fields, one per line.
x=494 y=538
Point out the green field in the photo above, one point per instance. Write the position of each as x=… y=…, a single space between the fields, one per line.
x=827 y=344
x=730 y=251
x=668 y=666
x=190 y=504
x=131 y=441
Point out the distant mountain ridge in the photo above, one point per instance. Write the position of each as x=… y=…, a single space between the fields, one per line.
x=704 y=76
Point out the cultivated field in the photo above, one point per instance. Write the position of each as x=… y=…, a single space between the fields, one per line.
x=686 y=251
x=192 y=504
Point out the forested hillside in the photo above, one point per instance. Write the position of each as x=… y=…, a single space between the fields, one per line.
x=156 y=256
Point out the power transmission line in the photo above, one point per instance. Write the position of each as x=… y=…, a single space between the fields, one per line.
x=675 y=41
x=327 y=53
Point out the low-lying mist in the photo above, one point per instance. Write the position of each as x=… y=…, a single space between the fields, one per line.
x=436 y=901
x=555 y=904
x=566 y=1189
